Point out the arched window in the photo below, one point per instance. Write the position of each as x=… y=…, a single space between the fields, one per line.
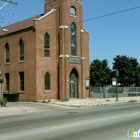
x=72 y=11
x=21 y=43
x=73 y=40
x=47 y=81
x=46 y=45
x=7 y=48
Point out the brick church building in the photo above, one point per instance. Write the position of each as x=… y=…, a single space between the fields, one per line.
x=47 y=56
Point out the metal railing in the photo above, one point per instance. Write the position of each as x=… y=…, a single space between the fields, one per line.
x=110 y=92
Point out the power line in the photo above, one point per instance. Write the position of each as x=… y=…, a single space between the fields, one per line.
x=102 y=16
x=36 y=8
x=110 y=14
x=114 y=13
x=6 y=4
x=98 y=17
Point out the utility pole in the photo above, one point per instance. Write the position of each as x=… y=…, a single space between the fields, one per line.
x=10 y=1
x=7 y=1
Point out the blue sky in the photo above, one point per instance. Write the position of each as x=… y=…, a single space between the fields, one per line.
x=109 y=36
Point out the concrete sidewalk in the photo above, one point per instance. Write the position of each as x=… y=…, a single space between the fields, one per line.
x=10 y=110
x=97 y=102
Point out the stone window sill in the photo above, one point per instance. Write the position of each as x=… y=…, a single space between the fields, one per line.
x=48 y=58
x=21 y=61
x=20 y=92
x=47 y=91
x=7 y=64
x=73 y=16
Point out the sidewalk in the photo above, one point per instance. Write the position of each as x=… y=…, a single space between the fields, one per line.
x=9 y=110
x=97 y=102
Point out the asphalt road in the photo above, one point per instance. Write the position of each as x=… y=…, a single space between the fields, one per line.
x=95 y=123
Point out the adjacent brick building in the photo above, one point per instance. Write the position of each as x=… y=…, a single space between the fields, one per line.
x=47 y=56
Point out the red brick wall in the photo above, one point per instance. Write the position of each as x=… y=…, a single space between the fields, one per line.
x=36 y=66
x=16 y=66
x=46 y=25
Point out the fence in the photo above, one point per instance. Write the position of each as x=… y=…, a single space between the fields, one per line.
x=110 y=92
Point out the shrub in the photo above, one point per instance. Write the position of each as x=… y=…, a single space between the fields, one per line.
x=44 y=101
x=3 y=102
x=132 y=101
x=35 y=100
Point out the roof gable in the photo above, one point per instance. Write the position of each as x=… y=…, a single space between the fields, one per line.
x=42 y=17
x=23 y=24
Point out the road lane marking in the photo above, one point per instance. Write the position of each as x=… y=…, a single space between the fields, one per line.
x=61 y=126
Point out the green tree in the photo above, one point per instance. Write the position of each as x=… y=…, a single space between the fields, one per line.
x=100 y=73
x=128 y=67
x=138 y=76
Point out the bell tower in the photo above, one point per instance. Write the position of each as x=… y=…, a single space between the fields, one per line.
x=72 y=47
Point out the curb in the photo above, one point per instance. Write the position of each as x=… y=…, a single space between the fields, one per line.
x=96 y=105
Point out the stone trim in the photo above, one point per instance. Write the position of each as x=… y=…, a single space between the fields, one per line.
x=51 y=11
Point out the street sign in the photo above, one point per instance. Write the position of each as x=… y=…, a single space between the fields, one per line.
x=114 y=81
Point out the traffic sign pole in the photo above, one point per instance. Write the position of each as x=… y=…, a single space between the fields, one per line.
x=117 y=89
x=116 y=75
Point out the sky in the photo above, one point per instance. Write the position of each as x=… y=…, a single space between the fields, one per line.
x=117 y=34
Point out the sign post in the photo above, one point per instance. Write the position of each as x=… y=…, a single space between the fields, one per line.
x=116 y=75
x=87 y=82
x=114 y=81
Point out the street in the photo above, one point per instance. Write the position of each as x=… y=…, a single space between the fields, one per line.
x=93 y=123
